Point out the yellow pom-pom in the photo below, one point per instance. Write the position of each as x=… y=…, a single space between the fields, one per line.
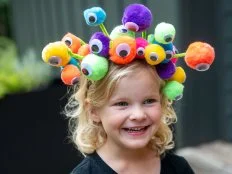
x=179 y=75
x=154 y=54
x=56 y=54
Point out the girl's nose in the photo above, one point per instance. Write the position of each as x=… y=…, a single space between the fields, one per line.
x=137 y=113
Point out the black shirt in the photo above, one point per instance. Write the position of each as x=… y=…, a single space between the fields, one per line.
x=170 y=164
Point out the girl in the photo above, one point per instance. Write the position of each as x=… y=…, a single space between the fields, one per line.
x=121 y=123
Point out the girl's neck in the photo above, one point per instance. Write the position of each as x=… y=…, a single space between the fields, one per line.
x=130 y=160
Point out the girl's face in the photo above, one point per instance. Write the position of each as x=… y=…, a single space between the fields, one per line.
x=132 y=115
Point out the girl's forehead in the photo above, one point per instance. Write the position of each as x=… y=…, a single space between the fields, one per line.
x=142 y=81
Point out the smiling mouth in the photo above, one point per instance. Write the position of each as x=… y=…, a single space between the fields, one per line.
x=136 y=129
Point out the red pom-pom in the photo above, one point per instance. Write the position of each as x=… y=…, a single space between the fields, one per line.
x=70 y=74
x=199 y=56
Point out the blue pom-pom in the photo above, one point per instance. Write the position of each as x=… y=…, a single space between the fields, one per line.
x=94 y=16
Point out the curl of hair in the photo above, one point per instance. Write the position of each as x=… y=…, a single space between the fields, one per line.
x=88 y=135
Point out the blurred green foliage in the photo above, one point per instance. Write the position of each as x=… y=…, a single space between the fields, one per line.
x=22 y=74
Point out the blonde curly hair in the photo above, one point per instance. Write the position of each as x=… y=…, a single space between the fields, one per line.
x=88 y=135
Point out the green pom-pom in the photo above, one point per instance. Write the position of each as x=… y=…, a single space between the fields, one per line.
x=121 y=31
x=173 y=90
x=94 y=67
x=150 y=38
x=164 y=33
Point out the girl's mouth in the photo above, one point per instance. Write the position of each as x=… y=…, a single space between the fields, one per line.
x=136 y=130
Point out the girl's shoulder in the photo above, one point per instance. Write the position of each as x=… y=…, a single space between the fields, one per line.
x=92 y=164
x=173 y=163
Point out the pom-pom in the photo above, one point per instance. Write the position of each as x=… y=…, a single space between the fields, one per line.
x=154 y=54
x=121 y=30
x=179 y=75
x=56 y=54
x=94 y=16
x=165 y=70
x=168 y=48
x=99 y=44
x=151 y=38
x=137 y=17
x=140 y=47
x=164 y=33
x=173 y=90
x=70 y=74
x=72 y=41
x=94 y=67
x=84 y=50
x=74 y=61
x=199 y=56
x=123 y=50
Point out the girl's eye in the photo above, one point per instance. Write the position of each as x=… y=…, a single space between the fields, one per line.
x=121 y=104
x=149 y=101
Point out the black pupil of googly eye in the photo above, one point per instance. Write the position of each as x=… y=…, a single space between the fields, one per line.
x=168 y=56
x=123 y=53
x=92 y=19
x=140 y=52
x=95 y=48
x=68 y=42
x=168 y=39
x=85 y=71
x=153 y=57
x=123 y=30
x=176 y=51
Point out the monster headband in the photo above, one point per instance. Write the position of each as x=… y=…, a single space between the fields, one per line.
x=121 y=46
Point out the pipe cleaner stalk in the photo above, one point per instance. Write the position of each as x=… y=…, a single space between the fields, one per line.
x=76 y=56
x=103 y=28
x=180 y=55
x=144 y=34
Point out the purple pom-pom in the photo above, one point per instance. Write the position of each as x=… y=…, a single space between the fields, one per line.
x=99 y=44
x=137 y=17
x=165 y=70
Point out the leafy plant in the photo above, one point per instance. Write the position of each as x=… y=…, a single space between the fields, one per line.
x=21 y=74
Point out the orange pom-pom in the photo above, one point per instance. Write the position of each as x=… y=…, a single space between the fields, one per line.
x=70 y=74
x=123 y=50
x=199 y=56
x=72 y=41
x=84 y=50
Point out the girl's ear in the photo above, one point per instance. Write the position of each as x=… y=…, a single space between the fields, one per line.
x=92 y=112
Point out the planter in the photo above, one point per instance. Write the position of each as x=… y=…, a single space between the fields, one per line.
x=34 y=133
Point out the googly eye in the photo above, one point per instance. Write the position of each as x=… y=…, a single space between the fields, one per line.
x=86 y=69
x=140 y=51
x=178 y=97
x=123 y=30
x=154 y=56
x=96 y=46
x=68 y=41
x=123 y=50
x=168 y=38
x=92 y=18
x=169 y=54
x=175 y=50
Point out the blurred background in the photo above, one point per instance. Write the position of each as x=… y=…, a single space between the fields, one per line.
x=34 y=131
